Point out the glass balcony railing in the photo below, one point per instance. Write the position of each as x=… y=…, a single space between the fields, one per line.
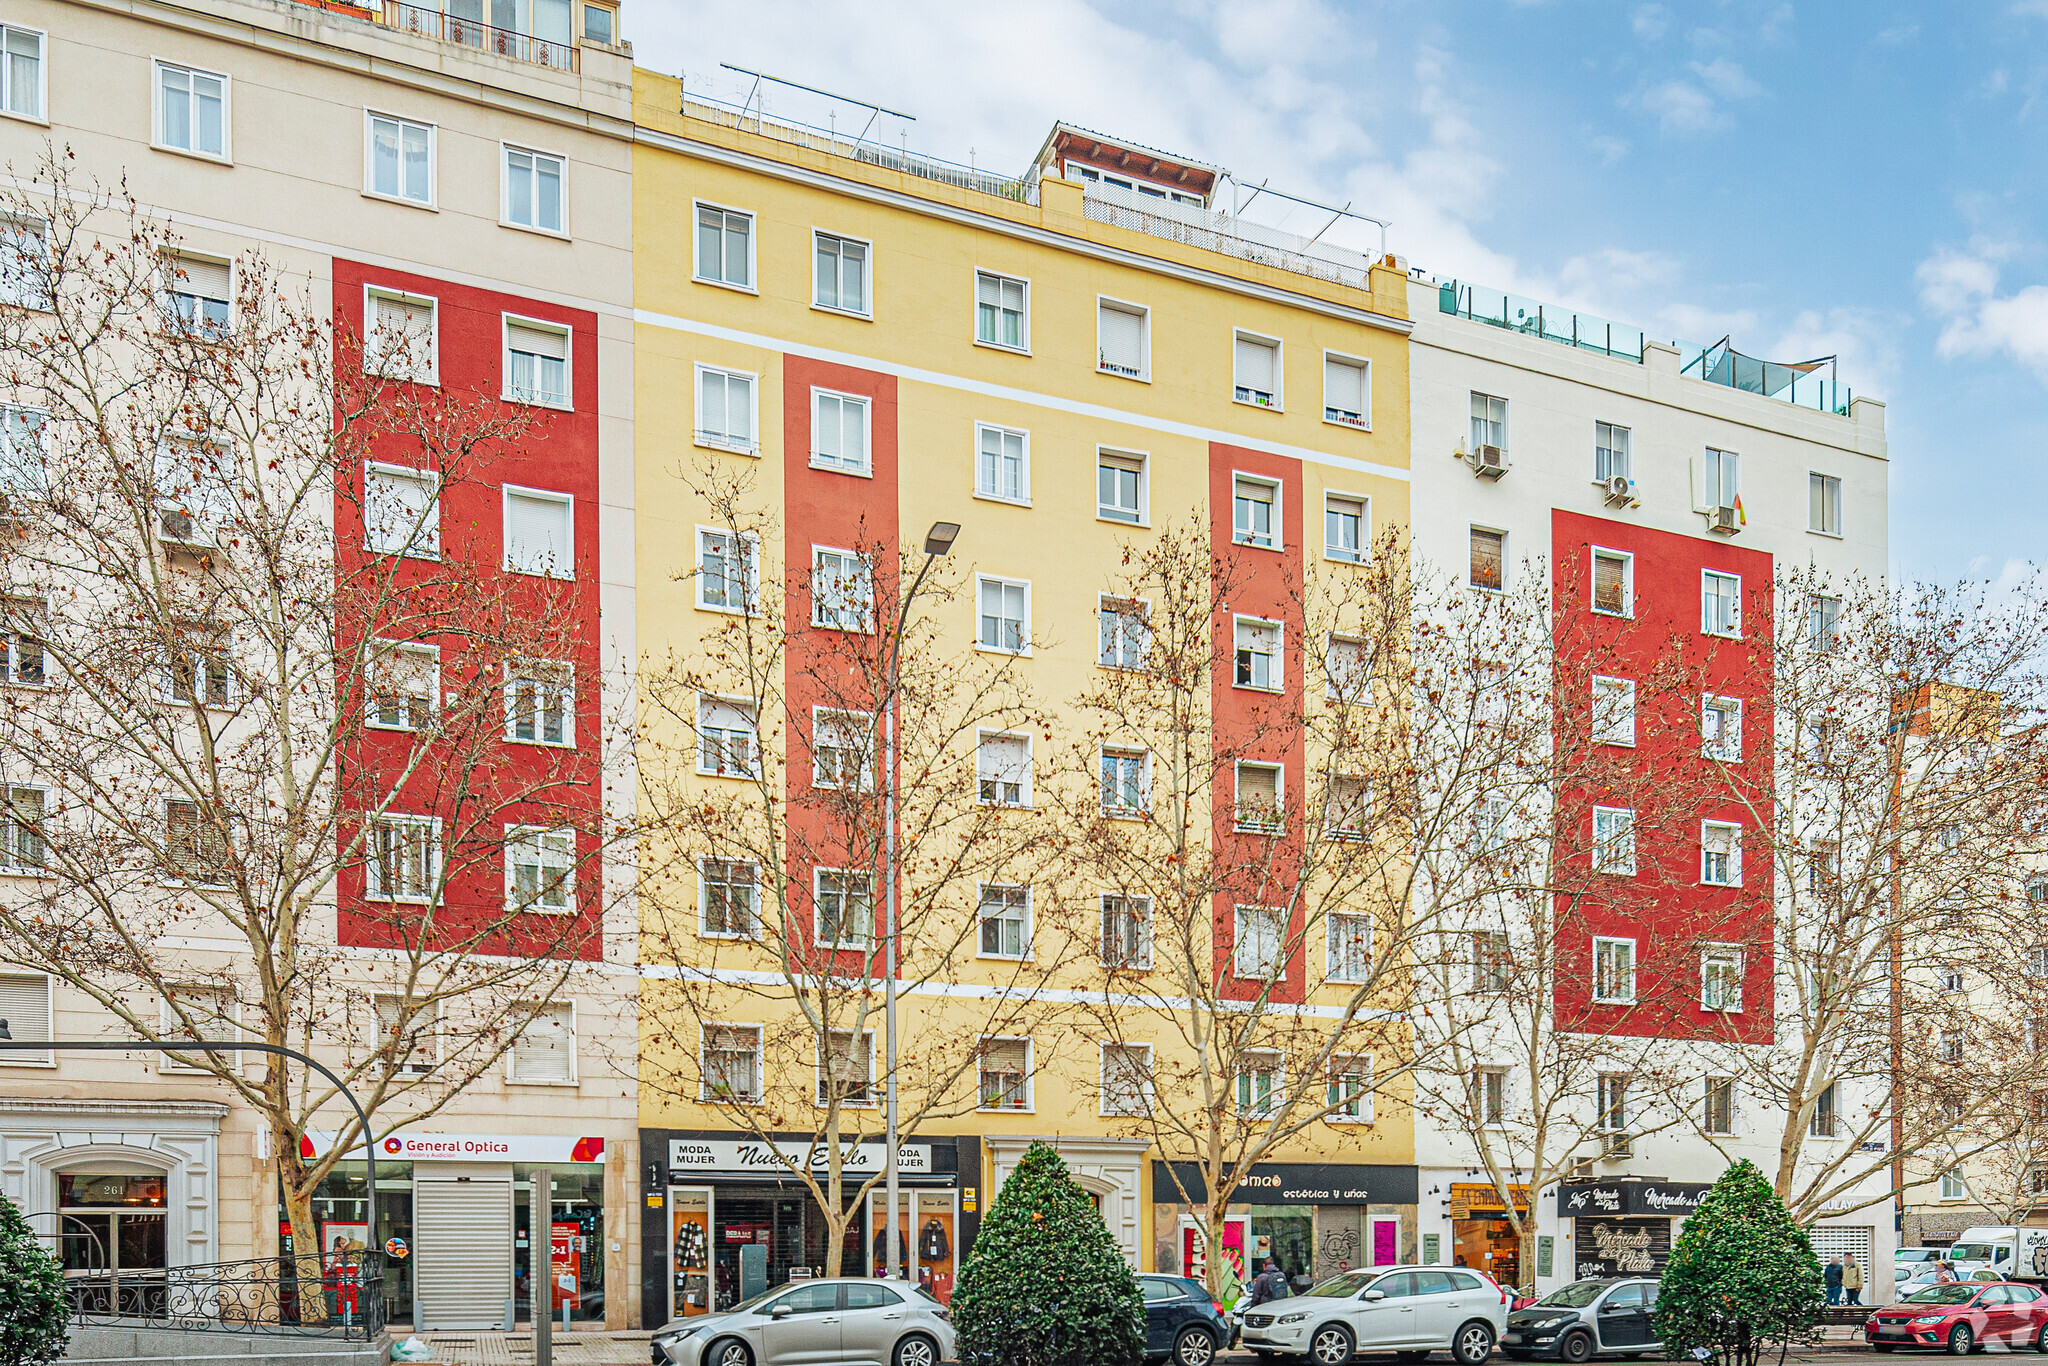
x=1807 y=383
x=1564 y=326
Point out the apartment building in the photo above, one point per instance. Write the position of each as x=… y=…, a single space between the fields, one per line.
x=466 y=177
x=1048 y=372
x=1657 y=489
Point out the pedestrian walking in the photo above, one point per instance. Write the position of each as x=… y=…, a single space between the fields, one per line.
x=1833 y=1275
x=1943 y=1272
x=1852 y=1281
x=1269 y=1285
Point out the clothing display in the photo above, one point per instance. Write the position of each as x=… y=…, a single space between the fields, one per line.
x=932 y=1243
x=691 y=1247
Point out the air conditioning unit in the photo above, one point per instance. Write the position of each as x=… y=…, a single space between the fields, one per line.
x=182 y=529
x=1721 y=521
x=1488 y=462
x=1613 y=1147
x=1619 y=490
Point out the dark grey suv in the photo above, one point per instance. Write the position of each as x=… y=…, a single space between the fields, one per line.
x=1610 y=1317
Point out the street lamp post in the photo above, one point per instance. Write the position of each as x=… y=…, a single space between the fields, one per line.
x=937 y=542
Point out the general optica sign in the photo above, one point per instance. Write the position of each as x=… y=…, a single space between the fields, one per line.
x=403 y=1147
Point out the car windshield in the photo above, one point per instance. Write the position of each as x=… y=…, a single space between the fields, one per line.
x=1577 y=1295
x=1342 y=1287
x=1970 y=1252
x=1960 y=1293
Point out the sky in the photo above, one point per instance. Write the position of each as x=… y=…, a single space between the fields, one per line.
x=1865 y=178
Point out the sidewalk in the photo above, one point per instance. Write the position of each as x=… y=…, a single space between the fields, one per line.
x=516 y=1349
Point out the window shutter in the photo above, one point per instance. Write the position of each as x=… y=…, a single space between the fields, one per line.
x=1255 y=365
x=1123 y=339
x=536 y=534
x=193 y=275
x=538 y=341
x=404 y=317
x=1258 y=791
x=545 y=1049
x=1343 y=386
x=726 y=715
x=1609 y=584
x=25 y=1008
x=1486 y=557
x=1004 y=1055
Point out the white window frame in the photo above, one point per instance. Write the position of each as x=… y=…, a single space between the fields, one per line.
x=1001 y=279
x=751 y=584
x=819 y=235
x=1954 y=1186
x=553 y=678
x=24 y=257
x=981 y=891
x=1725 y=467
x=865 y=469
x=1022 y=498
x=1831 y=502
x=1713 y=956
x=1242 y=1095
x=537 y=398
x=871 y=1086
x=1350 y=682
x=861 y=602
x=1610 y=997
x=512 y=1077
x=1133 y=910
x=435 y=854
x=759 y=1053
x=201 y=658
x=1125 y=637
x=518 y=834
x=705 y=751
x=1028 y=1102
x=1143 y=460
x=1621 y=730
x=1625 y=452
x=565 y=566
x=1336 y=967
x=1600 y=859
x=751 y=284
x=218 y=876
x=1141 y=1104
x=1238 y=921
x=1278 y=824
x=173 y=264
x=370 y=190
x=721 y=441
x=12 y=830
x=860 y=942
x=704 y=884
x=1343 y=1065
x=981 y=581
x=1823 y=632
x=505 y=218
x=1360 y=554
x=1726 y=743
x=865 y=734
x=425 y=542
x=981 y=741
x=167 y=1023
x=1707 y=1084
x=1628 y=579
x=1485 y=1091
x=22 y=1057
x=1501 y=532
x=425 y=698
x=1336 y=811
x=1364 y=366
x=1714 y=578
x=1144 y=315
x=375 y=362
x=1277 y=682
x=1122 y=754
x=1279 y=350
x=1506 y=416
x=1277 y=532
x=42 y=114
x=1734 y=878
x=157 y=139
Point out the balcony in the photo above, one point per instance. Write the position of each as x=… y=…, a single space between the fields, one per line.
x=1231 y=234
x=472 y=33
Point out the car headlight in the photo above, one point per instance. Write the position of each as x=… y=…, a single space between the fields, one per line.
x=1293 y=1318
x=1542 y=1324
x=1930 y=1318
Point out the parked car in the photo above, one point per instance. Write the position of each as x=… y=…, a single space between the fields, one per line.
x=1962 y=1316
x=1182 y=1324
x=1611 y=1316
x=1410 y=1311
x=1920 y=1280
x=1908 y=1260
x=846 y=1320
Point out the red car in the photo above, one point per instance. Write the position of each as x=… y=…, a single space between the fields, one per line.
x=1960 y=1317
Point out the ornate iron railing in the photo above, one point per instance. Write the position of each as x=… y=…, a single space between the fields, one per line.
x=262 y=1295
x=505 y=42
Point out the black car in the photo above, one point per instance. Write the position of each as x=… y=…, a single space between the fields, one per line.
x=1182 y=1324
x=1611 y=1317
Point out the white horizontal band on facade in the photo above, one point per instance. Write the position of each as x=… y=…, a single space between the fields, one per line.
x=940 y=379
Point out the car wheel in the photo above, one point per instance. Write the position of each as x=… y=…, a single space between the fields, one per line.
x=1474 y=1344
x=916 y=1350
x=2041 y=1339
x=1330 y=1345
x=1961 y=1341
x=730 y=1352
x=1575 y=1347
x=1192 y=1348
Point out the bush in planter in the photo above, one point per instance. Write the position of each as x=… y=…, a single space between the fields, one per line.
x=35 y=1322
x=1045 y=1284
x=1742 y=1275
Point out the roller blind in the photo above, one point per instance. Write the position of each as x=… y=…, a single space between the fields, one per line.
x=1255 y=365
x=1122 y=339
x=25 y=1008
x=538 y=341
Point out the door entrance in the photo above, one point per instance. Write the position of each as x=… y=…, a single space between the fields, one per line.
x=112 y=1246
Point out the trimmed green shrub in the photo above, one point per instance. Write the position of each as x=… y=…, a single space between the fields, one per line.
x=35 y=1322
x=1742 y=1277
x=1045 y=1284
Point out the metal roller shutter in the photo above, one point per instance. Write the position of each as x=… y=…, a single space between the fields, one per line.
x=1833 y=1241
x=462 y=1262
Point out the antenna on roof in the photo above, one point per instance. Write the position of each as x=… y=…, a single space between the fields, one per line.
x=874 y=110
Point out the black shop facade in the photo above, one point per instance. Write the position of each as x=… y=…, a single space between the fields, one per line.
x=1315 y=1219
x=724 y=1216
x=1625 y=1227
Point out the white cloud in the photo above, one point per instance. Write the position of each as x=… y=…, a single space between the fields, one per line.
x=1612 y=150
x=1898 y=34
x=1961 y=287
x=1726 y=79
x=1681 y=107
x=1650 y=21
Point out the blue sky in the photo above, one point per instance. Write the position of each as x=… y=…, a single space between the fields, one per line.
x=1861 y=178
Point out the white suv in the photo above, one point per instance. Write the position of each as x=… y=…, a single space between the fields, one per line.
x=1408 y=1310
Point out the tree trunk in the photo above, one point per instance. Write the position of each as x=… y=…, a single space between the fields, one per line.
x=1214 y=1216
x=298 y=1206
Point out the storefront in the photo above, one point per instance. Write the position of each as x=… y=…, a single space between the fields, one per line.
x=1482 y=1233
x=1625 y=1227
x=456 y=1218
x=726 y=1217
x=1314 y=1219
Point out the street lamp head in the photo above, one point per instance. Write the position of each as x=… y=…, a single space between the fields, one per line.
x=939 y=540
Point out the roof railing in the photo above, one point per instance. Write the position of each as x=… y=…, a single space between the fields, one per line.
x=471 y=33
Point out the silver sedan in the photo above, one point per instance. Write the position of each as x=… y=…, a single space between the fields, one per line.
x=842 y=1322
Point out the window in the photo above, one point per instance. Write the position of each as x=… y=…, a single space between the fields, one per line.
x=728 y=742
x=1720 y=854
x=402 y=858
x=1255 y=519
x=545 y=1051
x=1126 y=931
x=1003 y=770
x=1344 y=528
x=539 y=533
x=725 y=409
x=725 y=246
x=1124 y=633
x=401 y=340
x=1721 y=478
x=842 y=273
x=1822 y=616
x=1258 y=654
x=1120 y=339
x=196 y=294
x=21 y=831
x=536 y=363
x=845 y=907
x=1350 y=1092
x=1613 y=583
x=400 y=154
x=1614 y=840
x=200 y=670
x=1720 y=603
x=1257 y=948
x=1952 y=981
x=1614 y=971
x=1489 y=557
x=1256 y=370
x=1489 y=421
x=839 y=432
x=1950 y=1046
x=732 y=1064
x=728 y=568
x=1120 y=487
x=1613 y=1116
x=842 y=590
x=1258 y=798
x=1261 y=1084
x=408 y=1035
x=999 y=311
x=533 y=189
x=1610 y=451
x=1000 y=470
x=1614 y=711
x=1347 y=391
x=401 y=511
x=846 y=1068
x=1824 y=504
x=1005 y=917
x=1005 y=1074
x=1953 y=1186
x=1721 y=978
x=600 y=24
x=729 y=898
x=192 y=109
x=540 y=869
x=21 y=448
x=1721 y=728
x=1718 y=1113
x=24 y=256
x=1347 y=675
x=1492 y=961
x=21 y=75
x=1490 y=1094
x=1126 y=782
x=1127 y=1080
x=842 y=753
x=196 y=1012
x=1005 y=615
x=540 y=703
x=1350 y=948
x=1347 y=808
x=1824 y=870
x=195 y=842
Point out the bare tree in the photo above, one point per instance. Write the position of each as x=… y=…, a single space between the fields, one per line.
x=221 y=727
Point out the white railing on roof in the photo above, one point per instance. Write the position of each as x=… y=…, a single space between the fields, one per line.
x=873 y=153
x=1232 y=235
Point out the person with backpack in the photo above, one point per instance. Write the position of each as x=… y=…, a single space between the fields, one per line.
x=1269 y=1285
